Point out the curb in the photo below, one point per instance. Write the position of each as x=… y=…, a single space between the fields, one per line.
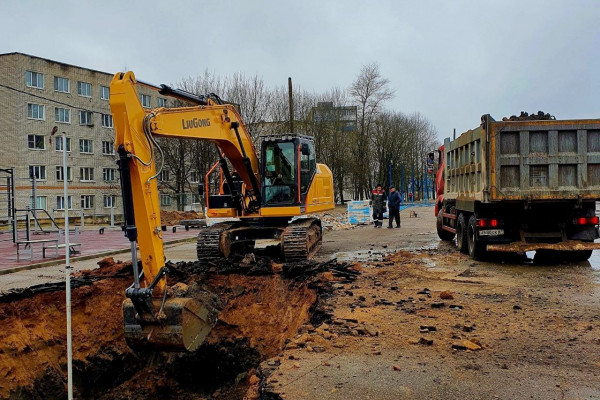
x=82 y=258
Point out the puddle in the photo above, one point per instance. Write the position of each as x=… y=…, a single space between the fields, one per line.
x=362 y=255
x=429 y=263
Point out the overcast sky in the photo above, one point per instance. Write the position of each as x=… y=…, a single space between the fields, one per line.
x=452 y=61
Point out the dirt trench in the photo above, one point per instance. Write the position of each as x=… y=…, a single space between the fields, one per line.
x=263 y=307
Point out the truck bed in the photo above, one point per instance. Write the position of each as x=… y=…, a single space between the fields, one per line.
x=525 y=161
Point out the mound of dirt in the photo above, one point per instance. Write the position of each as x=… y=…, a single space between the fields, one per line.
x=260 y=314
x=173 y=217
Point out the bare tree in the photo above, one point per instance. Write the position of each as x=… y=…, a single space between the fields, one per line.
x=358 y=148
x=370 y=91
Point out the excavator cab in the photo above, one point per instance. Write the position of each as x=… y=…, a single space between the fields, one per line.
x=288 y=166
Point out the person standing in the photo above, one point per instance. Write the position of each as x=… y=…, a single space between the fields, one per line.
x=378 y=203
x=394 y=206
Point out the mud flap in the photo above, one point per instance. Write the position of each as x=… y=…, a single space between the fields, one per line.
x=183 y=325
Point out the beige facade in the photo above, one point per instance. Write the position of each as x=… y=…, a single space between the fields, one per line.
x=37 y=94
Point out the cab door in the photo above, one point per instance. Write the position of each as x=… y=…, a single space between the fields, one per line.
x=307 y=166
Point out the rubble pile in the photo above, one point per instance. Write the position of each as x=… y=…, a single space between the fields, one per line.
x=335 y=220
x=524 y=116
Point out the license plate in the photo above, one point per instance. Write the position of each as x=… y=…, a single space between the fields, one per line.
x=491 y=232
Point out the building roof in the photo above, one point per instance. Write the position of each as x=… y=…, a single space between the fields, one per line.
x=53 y=61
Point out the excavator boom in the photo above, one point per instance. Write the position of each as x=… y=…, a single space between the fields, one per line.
x=150 y=319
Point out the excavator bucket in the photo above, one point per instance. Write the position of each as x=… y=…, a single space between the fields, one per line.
x=183 y=325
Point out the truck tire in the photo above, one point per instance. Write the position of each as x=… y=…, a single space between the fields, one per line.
x=444 y=235
x=476 y=248
x=461 y=234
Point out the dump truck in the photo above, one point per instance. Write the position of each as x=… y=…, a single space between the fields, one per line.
x=519 y=186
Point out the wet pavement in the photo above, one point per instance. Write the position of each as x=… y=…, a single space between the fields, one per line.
x=93 y=243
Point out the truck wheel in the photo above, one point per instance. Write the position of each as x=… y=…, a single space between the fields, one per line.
x=444 y=235
x=461 y=234
x=476 y=248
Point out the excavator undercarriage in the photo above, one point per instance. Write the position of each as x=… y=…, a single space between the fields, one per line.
x=295 y=241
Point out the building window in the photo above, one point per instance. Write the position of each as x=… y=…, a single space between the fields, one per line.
x=34 y=79
x=58 y=144
x=86 y=146
x=35 y=111
x=165 y=200
x=107 y=121
x=161 y=102
x=85 y=118
x=108 y=148
x=62 y=115
x=163 y=175
x=108 y=174
x=84 y=89
x=40 y=202
x=60 y=176
x=110 y=201
x=36 y=142
x=195 y=198
x=61 y=84
x=60 y=202
x=39 y=171
x=87 y=201
x=86 y=174
x=194 y=177
x=104 y=93
x=145 y=99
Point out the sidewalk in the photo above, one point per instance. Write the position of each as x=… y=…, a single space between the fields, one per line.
x=93 y=245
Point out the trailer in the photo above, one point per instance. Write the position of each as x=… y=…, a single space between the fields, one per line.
x=518 y=186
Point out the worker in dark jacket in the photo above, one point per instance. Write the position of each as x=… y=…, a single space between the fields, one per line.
x=394 y=206
x=378 y=203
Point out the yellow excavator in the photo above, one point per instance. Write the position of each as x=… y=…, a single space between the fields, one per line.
x=262 y=194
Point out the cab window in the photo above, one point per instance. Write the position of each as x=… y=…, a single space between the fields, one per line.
x=308 y=165
x=279 y=184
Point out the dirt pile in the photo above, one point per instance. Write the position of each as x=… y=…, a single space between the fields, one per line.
x=174 y=217
x=33 y=339
x=261 y=313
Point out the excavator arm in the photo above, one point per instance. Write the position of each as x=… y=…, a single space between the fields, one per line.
x=150 y=317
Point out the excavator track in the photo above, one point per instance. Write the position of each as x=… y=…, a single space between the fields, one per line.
x=301 y=239
x=208 y=247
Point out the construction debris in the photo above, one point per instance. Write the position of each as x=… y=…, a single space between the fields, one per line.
x=524 y=116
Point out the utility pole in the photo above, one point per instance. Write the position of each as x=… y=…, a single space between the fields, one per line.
x=291 y=105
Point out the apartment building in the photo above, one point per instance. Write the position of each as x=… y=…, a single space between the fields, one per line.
x=38 y=94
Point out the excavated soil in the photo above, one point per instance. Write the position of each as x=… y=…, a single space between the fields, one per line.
x=263 y=306
x=174 y=217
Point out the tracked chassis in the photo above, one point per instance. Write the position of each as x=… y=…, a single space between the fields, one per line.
x=295 y=241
